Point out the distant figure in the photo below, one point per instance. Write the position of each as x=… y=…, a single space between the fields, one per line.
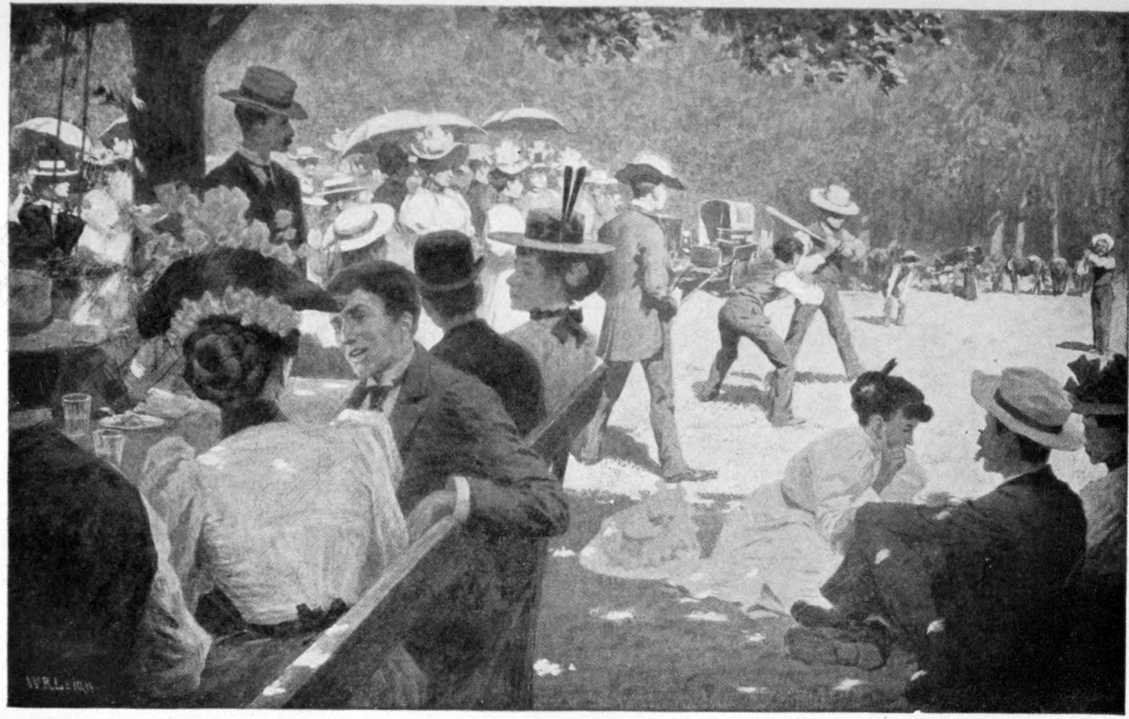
x=903 y=277
x=392 y=162
x=1102 y=262
x=1060 y=275
x=836 y=206
x=264 y=107
x=968 y=269
x=480 y=194
x=743 y=315
x=436 y=205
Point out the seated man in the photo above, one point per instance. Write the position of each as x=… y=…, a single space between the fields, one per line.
x=975 y=589
x=96 y=617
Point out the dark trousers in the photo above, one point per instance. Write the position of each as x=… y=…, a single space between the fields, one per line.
x=660 y=381
x=832 y=310
x=1101 y=310
x=888 y=569
x=740 y=318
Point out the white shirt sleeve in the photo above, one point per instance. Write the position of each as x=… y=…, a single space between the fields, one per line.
x=810 y=263
x=805 y=292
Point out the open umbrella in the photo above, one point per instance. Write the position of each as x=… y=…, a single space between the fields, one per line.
x=116 y=130
x=399 y=125
x=63 y=136
x=525 y=119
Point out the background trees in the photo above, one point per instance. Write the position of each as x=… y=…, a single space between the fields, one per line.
x=999 y=116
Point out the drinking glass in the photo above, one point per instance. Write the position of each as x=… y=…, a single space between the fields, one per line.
x=76 y=414
x=109 y=445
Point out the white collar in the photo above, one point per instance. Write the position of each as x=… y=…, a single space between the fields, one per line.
x=395 y=373
x=253 y=157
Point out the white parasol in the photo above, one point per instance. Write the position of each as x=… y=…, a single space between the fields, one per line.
x=59 y=133
x=400 y=124
x=525 y=119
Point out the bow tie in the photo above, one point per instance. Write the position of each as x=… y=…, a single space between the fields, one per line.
x=570 y=323
x=375 y=394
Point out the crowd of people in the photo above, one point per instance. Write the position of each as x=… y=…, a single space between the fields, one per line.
x=281 y=526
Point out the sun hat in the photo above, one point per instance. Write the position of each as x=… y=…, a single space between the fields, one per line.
x=652 y=167
x=339 y=185
x=239 y=282
x=269 y=90
x=309 y=197
x=1102 y=239
x=305 y=152
x=544 y=231
x=600 y=176
x=437 y=150
x=53 y=168
x=910 y=256
x=569 y=157
x=1096 y=390
x=508 y=159
x=1029 y=402
x=835 y=199
x=444 y=261
x=360 y=225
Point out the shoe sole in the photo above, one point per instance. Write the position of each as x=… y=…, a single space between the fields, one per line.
x=811 y=647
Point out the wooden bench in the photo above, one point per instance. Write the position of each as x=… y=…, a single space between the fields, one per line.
x=323 y=671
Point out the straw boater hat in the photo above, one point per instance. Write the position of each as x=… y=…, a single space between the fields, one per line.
x=910 y=256
x=1029 y=402
x=444 y=261
x=339 y=185
x=268 y=90
x=304 y=152
x=360 y=226
x=1102 y=241
x=508 y=159
x=437 y=150
x=53 y=168
x=1095 y=390
x=835 y=199
x=309 y=197
x=651 y=167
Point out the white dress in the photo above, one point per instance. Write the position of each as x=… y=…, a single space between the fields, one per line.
x=496 y=308
x=280 y=514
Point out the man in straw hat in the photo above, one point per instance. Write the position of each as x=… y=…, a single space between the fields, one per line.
x=1099 y=255
x=898 y=284
x=840 y=246
x=973 y=589
x=1097 y=659
x=640 y=306
x=264 y=107
x=451 y=292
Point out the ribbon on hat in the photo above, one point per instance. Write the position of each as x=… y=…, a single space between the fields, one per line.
x=571 y=323
x=1022 y=417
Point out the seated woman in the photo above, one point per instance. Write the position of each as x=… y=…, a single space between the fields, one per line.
x=281 y=526
x=788 y=537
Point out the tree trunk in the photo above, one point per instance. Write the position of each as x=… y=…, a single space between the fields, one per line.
x=171 y=51
x=1055 y=251
x=1021 y=227
x=996 y=222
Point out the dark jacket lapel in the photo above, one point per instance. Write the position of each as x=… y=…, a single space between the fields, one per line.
x=414 y=390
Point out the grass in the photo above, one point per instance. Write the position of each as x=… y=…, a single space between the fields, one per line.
x=660 y=660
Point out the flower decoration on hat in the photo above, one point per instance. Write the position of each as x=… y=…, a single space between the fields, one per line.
x=432 y=142
x=251 y=309
x=1096 y=389
x=570 y=157
x=509 y=158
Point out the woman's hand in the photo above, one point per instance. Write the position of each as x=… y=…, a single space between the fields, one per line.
x=430 y=510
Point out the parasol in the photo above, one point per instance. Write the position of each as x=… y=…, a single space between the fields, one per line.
x=116 y=130
x=62 y=135
x=525 y=119
x=400 y=124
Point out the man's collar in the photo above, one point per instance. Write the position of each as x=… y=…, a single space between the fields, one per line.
x=1024 y=473
x=395 y=373
x=253 y=157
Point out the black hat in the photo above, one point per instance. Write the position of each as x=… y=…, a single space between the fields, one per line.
x=217 y=271
x=1096 y=389
x=445 y=261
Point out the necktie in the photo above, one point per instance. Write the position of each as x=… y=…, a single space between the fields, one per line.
x=570 y=323
x=375 y=394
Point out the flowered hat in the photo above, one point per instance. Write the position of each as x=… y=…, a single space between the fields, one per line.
x=437 y=150
x=570 y=157
x=508 y=158
x=556 y=233
x=258 y=290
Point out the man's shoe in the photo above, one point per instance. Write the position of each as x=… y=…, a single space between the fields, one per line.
x=811 y=615
x=833 y=646
x=693 y=475
x=710 y=395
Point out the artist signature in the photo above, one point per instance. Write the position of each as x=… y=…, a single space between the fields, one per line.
x=58 y=684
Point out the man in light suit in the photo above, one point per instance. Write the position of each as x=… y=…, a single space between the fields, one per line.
x=462 y=456
x=640 y=306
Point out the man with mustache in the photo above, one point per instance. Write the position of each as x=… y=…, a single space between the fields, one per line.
x=264 y=107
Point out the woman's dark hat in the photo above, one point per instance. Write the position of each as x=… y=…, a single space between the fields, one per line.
x=445 y=261
x=650 y=167
x=551 y=233
x=1096 y=390
x=268 y=90
x=216 y=271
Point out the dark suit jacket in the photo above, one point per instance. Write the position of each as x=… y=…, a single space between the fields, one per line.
x=446 y=422
x=499 y=363
x=285 y=193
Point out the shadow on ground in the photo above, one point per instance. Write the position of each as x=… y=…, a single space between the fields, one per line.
x=1076 y=346
x=618 y=444
x=737 y=394
x=819 y=378
x=879 y=320
x=662 y=650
